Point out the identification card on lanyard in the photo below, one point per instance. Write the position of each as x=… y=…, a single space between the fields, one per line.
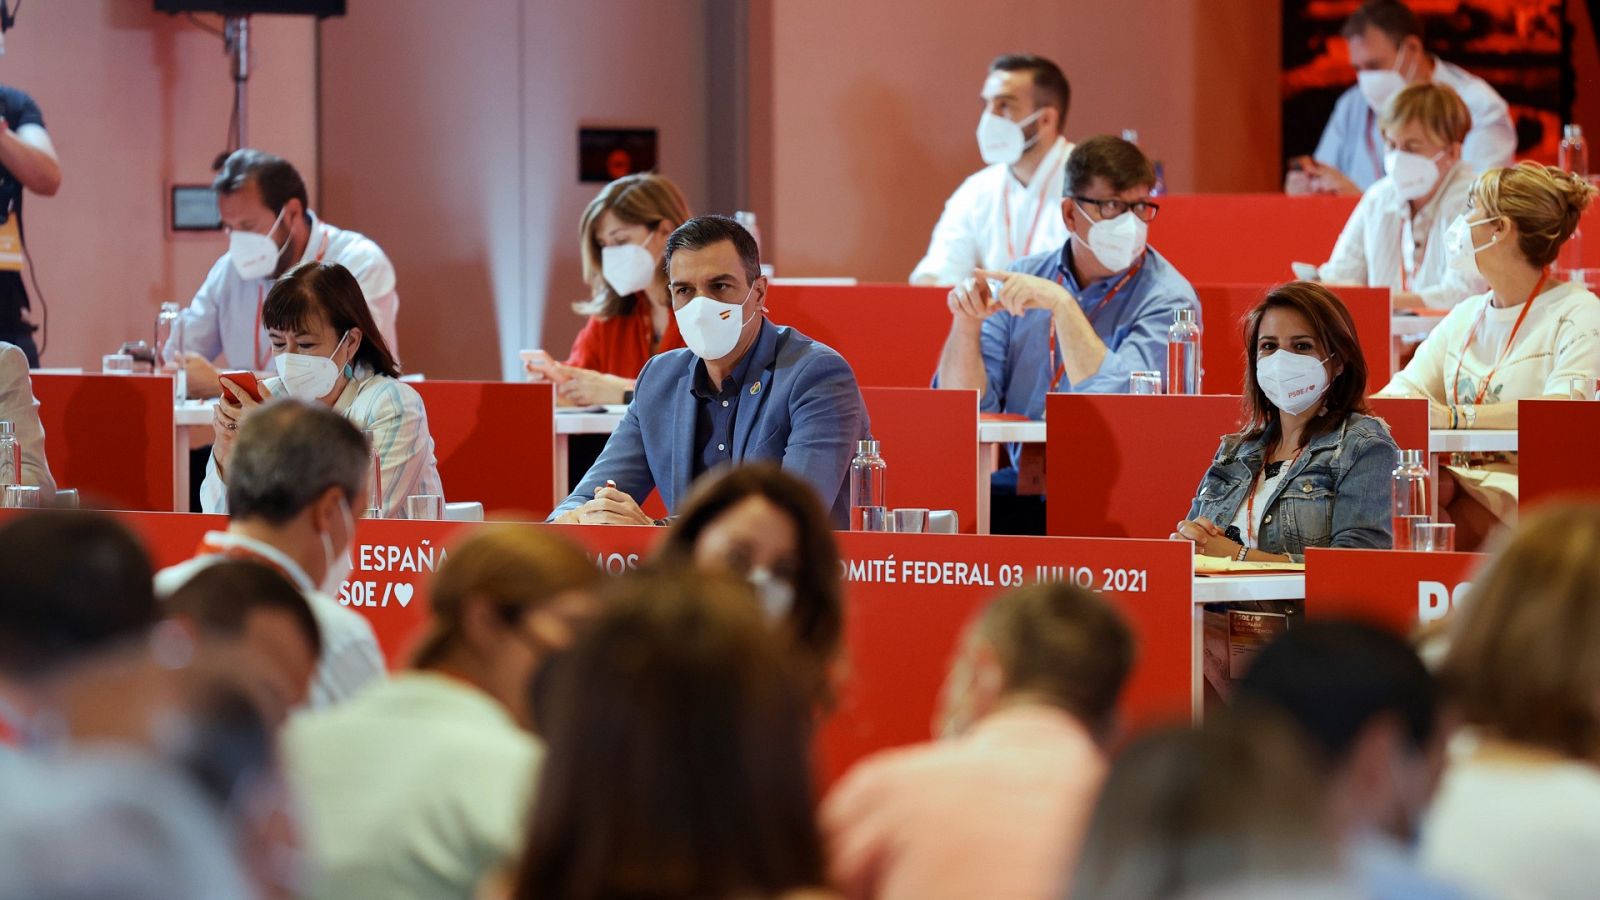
x=10 y=245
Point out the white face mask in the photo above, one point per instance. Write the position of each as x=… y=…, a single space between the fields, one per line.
x=1294 y=382
x=1001 y=140
x=309 y=377
x=1117 y=242
x=1460 y=253
x=255 y=255
x=628 y=268
x=1380 y=86
x=711 y=328
x=339 y=564
x=1413 y=174
x=776 y=594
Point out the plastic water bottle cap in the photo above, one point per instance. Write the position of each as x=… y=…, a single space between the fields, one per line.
x=7 y=428
x=1185 y=315
x=867 y=448
x=1411 y=457
x=1572 y=131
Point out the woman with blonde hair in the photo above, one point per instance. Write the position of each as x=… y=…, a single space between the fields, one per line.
x=1518 y=813
x=621 y=237
x=1395 y=238
x=1528 y=337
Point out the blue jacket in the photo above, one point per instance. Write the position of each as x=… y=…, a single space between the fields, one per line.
x=799 y=406
x=1337 y=494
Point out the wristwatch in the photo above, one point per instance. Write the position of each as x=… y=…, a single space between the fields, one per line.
x=1242 y=551
x=1469 y=415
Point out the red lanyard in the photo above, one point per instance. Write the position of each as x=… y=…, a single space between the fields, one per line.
x=1250 y=507
x=261 y=304
x=1455 y=386
x=1061 y=279
x=1038 y=210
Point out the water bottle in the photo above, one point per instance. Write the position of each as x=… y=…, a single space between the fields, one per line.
x=10 y=455
x=748 y=221
x=374 y=477
x=1574 y=157
x=169 y=328
x=1411 y=496
x=1183 y=354
x=869 y=474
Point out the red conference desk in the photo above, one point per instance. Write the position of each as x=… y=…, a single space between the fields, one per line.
x=907 y=599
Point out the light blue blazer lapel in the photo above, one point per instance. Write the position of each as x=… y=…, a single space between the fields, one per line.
x=682 y=437
x=758 y=385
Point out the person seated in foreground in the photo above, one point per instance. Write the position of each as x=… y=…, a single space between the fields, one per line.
x=1311 y=467
x=743 y=389
x=296 y=475
x=18 y=406
x=998 y=807
x=1397 y=237
x=447 y=757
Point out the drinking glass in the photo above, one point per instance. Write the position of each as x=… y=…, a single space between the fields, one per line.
x=425 y=507
x=910 y=521
x=116 y=364
x=1144 y=383
x=1406 y=530
x=1433 y=537
x=22 y=496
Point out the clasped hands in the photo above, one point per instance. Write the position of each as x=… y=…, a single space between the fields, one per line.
x=1208 y=538
x=609 y=507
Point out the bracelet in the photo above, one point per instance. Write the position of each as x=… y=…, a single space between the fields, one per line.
x=1452 y=418
x=1242 y=551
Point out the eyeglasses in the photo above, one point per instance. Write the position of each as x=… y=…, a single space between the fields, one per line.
x=1110 y=209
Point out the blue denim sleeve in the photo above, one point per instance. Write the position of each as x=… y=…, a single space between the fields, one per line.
x=1363 y=506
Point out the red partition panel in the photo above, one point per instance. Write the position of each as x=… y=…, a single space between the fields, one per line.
x=1224 y=307
x=907 y=597
x=1393 y=589
x=111 y=437
x=930 y=441
x=891 y=334
x=495 y=442
x=1407 y=418
x=1556 y=458
x=1120 y=465
x=1247 y=238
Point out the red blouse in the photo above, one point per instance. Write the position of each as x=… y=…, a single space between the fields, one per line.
x=621 y=345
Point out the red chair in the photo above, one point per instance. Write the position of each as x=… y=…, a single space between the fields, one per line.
x=1247 y=238
x=891 y=334
x=1556 y=459
x=495 y=442
x=1120 y=465
x=930 y=440
x=1224 y=307
x=112 y=438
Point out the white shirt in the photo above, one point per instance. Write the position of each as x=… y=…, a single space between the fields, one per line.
x=392 y=410
x=418 y=788
x=224 y=319
x=18 y=406
x=1264 y=487
x=350 y=657
x=1559 y=341
x=1517 y=829
x=1384 y=245
x=993 y=220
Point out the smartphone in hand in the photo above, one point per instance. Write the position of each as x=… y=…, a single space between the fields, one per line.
x=246 y=381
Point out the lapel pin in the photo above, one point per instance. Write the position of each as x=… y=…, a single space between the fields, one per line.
x=755 y=389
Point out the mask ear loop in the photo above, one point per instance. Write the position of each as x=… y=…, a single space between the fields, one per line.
x=349 y=370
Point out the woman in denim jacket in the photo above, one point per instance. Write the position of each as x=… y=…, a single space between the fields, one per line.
x=1310 y=468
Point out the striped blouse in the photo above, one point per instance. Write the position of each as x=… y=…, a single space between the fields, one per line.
x=392 y=410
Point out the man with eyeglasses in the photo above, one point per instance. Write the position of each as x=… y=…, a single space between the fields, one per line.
x=1080 y=318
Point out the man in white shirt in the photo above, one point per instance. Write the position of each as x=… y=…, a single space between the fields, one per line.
x=1386 y=48
x=271 y=229
x=297 y=473
x=1011 y=208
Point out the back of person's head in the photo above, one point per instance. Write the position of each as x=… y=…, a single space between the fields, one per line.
x=327 y=292
x=72 y=585
x=288 y=455
x=1120 y=163
x=643 y=198
x=1544 y=202
x=701 y=232
x=1334 y=679
x=1440 y=111
x=1052 y=643
x=1050 y=87
x=1335 y=333
x=816 y=611
x=1524 y=657
x=678 y=760
x=503 y=571
x=1391 y=17
x=220 y=599
x=1186 y=811
x=273 y=176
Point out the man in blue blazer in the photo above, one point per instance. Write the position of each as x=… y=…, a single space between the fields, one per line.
x=745 y=389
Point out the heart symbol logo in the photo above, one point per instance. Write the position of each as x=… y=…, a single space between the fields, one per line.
x=402 y=592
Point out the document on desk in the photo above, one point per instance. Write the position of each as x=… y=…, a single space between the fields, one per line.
x=1217 y=565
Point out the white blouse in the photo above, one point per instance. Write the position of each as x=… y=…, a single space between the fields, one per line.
x=1384 y=245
